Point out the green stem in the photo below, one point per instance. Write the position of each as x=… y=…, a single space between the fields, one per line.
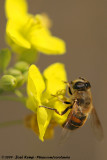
x=17 y=99
x=10 y=123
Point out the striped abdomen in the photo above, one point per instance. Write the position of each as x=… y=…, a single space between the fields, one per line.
x=74 y=120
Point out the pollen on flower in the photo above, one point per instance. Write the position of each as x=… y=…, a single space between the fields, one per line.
x=47 y=101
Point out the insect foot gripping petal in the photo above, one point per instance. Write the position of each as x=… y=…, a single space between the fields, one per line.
x=62 y=113
x=47 y=107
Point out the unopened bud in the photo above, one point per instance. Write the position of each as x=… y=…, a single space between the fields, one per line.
x=17 y=74
x=13 y=72
x=22 y=66
x=8 y=82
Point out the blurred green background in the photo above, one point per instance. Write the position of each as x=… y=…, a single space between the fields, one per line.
x=82 y=24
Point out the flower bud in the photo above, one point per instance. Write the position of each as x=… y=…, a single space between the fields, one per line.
x=13 y=72
x=21 y=66
x=17 y=74
x=8 y=82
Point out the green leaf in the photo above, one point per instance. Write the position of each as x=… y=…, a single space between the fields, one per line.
x=5 y=57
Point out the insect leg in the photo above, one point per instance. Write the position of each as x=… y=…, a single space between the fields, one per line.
x=63 y=112
x=69 y=87
x=61 y=100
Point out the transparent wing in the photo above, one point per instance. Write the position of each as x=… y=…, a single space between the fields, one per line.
x=96 y=125
x=65 y=134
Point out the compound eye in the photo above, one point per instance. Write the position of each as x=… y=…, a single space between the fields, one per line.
x=79 y=85
x=87 y=85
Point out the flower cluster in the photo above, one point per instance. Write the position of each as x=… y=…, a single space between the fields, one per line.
x=27 y=35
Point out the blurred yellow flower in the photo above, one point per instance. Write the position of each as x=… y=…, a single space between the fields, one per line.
x=31 y=123
x=28 y=32
x=40 y=89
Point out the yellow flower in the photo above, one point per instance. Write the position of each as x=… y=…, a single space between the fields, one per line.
x=29 y=33
x=31 y=122
x=40 y=89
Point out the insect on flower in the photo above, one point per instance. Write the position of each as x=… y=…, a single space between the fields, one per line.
x=81 y=106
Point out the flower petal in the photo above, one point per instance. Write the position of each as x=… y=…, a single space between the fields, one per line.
x=58 y=118
x=31 y=122
x=43 y=118
x=15 y=9
x=46 y=43
x=32 y=104
x=35 y=85
x=13 y=32
x=55 y=74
